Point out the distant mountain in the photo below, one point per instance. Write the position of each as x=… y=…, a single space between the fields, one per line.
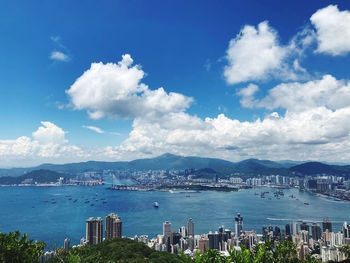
x=311 y=168
x=39 y=176
x=223 y=168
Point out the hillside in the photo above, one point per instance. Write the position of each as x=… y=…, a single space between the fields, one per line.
x=223 y=168
x=311 y=168
x=39 y=176
x=119 y=250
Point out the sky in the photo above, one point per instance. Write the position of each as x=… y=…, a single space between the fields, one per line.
x=121 y=80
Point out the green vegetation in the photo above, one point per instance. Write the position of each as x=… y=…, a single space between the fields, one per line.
x=125 y=250
x=39 y=176
x=15 y=248
x=117 y=250
x=196 y=187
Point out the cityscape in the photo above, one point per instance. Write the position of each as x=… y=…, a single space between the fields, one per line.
x=175 y=131
x=315 y=239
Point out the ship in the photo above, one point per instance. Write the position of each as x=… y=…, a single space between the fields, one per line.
x=155 y=204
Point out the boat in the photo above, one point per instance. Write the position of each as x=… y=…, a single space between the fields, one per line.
x=70 y=199
x=92 y=205
x=171 y=191
x=75 y=200
x=155 y=204
x=306 y=203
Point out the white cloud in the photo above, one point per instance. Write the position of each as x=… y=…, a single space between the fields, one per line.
x=332 y=30
x=49 y=133
x=247 y=95
x=255 y=54
x=295 y=96
x=116 y=90
x=93 y=128
x=59 y=56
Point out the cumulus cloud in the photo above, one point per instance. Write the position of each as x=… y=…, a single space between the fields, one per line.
x=59 y=56
x=116 y=90
x=254 y=54
x=93 y=128
x=296 y=96
x=247 y=95
x=49 y=133
x=332 y=30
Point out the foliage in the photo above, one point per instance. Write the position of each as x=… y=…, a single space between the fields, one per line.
x=126 y=250
x=346 y=250
x=15 y=248
x=117 y=250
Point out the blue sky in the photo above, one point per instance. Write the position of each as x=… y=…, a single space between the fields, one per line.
x=279 y=91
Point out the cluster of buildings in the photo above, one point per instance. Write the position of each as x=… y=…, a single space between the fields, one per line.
x=319 y=241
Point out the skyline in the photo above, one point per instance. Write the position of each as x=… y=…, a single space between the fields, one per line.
x=122 y=81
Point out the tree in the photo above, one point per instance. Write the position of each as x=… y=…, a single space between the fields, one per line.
x=15 y=248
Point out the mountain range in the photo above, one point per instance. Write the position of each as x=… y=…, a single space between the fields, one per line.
x=170 y=161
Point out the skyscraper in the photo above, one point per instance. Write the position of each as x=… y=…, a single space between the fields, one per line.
x=167 y=235
x=316 y=231
x=304 y=226
x=295 y=229
x=239 y=225
x=327 y=224
x=346 y=230
x=288 y=229
x=167 y=229
x=190 y=227
x=113 y=226
x=94 y=230
x=66 y=244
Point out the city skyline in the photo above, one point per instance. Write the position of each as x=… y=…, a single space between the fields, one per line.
x=124 y=80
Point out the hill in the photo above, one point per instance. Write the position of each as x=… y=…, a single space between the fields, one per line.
x=39 y=176
x=118 y=250
x=311 y=168
x=223 y=168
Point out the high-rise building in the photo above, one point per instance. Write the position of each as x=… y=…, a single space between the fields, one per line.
x=190 y=227
x=167 y=235
x=295 y=229
x=327 y=224
x=167 y=229
x=66 y=244
x=183 y=231
x=346 y=230
x=94 y=230
x=316 y=231
x=113 y=226
x=239 y=225
x=304 y=226
x=203 y=244
x=288 y=229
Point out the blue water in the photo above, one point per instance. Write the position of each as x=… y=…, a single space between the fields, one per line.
x=24 y=209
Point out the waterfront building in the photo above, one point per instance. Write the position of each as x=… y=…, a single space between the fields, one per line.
x=304 y=226
x=94 y=230
x=288 y=229
x=190 y=227
x=167 y=235
x=66 y=244
x=295 y=229
x=113 y=226
x=183 y=231
x=327 y=224
x=316 y=231
x=346 y=230
x=238 y=225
